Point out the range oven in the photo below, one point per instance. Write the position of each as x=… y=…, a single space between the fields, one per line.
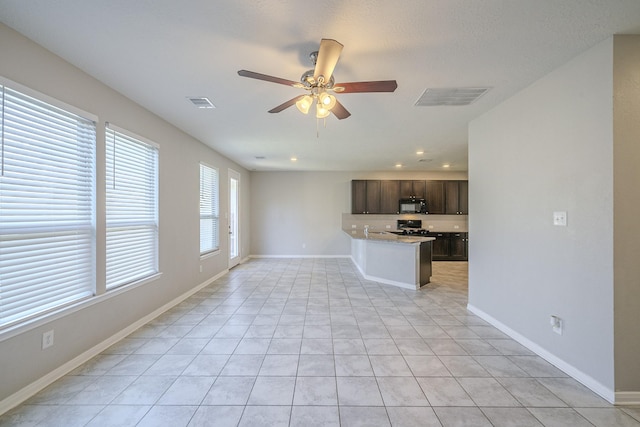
x=411 y=227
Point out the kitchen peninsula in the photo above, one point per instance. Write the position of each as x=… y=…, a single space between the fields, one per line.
x=398 y=260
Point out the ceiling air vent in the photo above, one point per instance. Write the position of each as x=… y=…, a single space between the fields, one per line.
x=450 y=96
x=201 y=102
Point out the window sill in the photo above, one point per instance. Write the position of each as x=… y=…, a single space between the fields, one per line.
x=209 y=254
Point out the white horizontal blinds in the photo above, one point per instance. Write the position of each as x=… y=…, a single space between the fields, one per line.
x=46 y=207
x=132 y=208
x=208 y=209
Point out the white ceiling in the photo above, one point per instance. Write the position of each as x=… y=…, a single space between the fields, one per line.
x=159 y=52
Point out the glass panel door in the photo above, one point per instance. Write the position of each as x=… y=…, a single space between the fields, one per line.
x=234 y=205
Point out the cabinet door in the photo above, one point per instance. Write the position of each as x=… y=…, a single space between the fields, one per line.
x=440 y=247
x=458 y=246
x=463 y=197
x=412 y=189
x=451 y=197
x=373 y=197
x=389 y=197
x=435 y=197
x=419 y=189
x=425 y=263
x=406 y=189
x=358 y=196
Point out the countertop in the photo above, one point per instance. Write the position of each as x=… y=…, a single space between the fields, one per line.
x=385 y=236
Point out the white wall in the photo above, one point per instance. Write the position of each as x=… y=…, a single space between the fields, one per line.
x=626 y=212
x=549 y=148
x=292 y=209
x=21 y=359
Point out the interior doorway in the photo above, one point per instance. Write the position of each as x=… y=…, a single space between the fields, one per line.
x=234 y=216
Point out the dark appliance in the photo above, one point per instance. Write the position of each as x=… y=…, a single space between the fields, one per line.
x=412 y=205
x=411 y=227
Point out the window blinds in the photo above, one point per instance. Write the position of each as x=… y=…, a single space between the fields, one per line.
x=208 y=209
x=132 y=208
x=47 y=242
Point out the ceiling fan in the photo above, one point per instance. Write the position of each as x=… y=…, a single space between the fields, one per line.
x=319 y=81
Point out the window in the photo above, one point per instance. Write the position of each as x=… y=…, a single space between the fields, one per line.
x=132 y=207
x=208 y=209
x=47 y=243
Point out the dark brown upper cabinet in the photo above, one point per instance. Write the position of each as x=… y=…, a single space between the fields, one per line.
x=365 y=196
x=457 y=197
x=435 y=197
x=412 y=189
x=382 y=196
x=389 y=196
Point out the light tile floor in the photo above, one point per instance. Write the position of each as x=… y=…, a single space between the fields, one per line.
x=290 y=342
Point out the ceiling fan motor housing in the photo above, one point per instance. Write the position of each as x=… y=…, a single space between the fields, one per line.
x=309 y=81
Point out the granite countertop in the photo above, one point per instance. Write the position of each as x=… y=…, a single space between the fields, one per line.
x=385 y=236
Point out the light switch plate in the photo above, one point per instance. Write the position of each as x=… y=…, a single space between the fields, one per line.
x=560 y=218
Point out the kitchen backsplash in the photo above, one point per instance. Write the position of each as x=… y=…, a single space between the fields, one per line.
x=442 y=223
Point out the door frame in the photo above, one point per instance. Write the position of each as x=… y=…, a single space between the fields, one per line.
x=235 y=260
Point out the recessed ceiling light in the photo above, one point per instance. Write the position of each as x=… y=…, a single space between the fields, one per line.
x=420 y=152
x=201 y=101
x=446 y=165
x=398 y=165
x=294 y=159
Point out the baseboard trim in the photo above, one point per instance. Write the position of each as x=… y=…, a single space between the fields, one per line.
x=381 y=280
x=300 y=256
x=25 y=393
x=627 y=398
x=588 y=381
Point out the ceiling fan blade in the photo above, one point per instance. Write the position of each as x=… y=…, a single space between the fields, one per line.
x=285 y=105
x=328 y=55
x=339 y=111
x=267 y=78
x=355 y=87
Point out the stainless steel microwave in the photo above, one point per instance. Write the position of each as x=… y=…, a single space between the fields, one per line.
x=412 y=205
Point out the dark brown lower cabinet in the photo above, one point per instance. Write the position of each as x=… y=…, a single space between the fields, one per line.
x=440 y=247
x=425 y=263
x=450 y=246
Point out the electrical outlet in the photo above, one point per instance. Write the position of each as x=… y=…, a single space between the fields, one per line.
x=556 y=324
x=353 y=226
x=388 y=227
x=200 y=269
x=456 y=227
x=47 y=339
x=560 y=218
x=431 y=227
x=304 y=246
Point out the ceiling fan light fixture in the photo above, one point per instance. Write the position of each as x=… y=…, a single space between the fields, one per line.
x=328 y=101
x=304 y=104
x=321 y=111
